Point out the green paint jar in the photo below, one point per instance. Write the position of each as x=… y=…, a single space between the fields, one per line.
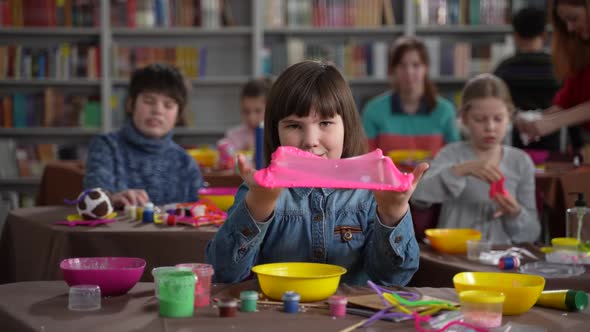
x=176 y=291
x=249 y=300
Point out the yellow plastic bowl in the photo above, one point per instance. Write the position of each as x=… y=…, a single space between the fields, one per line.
x=205 y=157
x=521 y=290
x=399 y=156
x=313 y=281
x=451 y=240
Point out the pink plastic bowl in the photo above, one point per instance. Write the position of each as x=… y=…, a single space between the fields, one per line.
x=114 y=275
x=538 y=156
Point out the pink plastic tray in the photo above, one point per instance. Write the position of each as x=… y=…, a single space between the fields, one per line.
x=291 y=167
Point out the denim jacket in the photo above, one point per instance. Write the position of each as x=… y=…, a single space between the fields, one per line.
x=332 y=226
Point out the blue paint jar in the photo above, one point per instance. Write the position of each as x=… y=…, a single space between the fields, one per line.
x=148 y=213
x=291 y=302
x=509 y=263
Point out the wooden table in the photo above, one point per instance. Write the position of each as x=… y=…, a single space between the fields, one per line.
x=42 y=306
x=31 y=246
x=437 y=270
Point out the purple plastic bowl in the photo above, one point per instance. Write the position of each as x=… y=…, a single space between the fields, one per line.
x=218 y=191
x=114 y=275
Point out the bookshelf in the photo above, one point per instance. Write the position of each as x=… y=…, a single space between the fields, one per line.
x=257 y=38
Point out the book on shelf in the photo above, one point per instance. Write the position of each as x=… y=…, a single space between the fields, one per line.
x=49 y=13
x=330 y=13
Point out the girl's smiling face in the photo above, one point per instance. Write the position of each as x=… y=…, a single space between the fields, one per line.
x=575 y=19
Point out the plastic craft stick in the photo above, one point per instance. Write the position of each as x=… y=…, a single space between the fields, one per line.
x=291 y=167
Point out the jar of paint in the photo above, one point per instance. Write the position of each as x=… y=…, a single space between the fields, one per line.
x=482 y=308
x=227 y=307
x=249 y=300
x=148 y=213
x=338 y=305
x=509 y=263
x=291 y=302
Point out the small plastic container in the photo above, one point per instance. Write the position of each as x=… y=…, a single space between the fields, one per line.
x=249 y=299
x=228 y=307
x=291 y=302
x=565 y=244
x=477 y=247
x=204 y=273
x=337 y=305
x=84 y=298
x=158 y=271
x=482 y=308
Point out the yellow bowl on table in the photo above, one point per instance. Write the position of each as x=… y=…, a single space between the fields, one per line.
x=205 y=157
x=451 y=240
x=313 y=281
x=399 y=156
x=222 y=197
x=521 y=290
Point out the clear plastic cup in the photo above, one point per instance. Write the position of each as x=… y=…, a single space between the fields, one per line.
x=158 y=271
x=482 y=308
x=476 y=247
x=204 y=273
x=176 y=291
x=84 y=298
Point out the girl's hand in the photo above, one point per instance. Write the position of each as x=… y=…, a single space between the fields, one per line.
x=130 y=197
x=393 y=205
x=260 y=201
x=484 y=170
x=507 y=205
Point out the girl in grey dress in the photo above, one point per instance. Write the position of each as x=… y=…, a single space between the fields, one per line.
x=461 y=174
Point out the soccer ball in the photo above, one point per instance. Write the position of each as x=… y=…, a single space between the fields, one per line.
x=94 y=204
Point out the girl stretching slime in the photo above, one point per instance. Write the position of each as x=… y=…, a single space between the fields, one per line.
x=369 y=233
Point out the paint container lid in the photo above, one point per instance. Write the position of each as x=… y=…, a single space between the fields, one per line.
x=291 y=296
x=337 y=299
x=227 y=303
x=249 y=295
x=576 y=300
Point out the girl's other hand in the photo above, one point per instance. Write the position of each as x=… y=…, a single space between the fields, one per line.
x=484 y=170
x=393 y=205
x=260 y=201
x=507 y=206
x=130 y=197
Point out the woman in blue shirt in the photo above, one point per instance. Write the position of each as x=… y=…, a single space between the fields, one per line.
x=369 y=233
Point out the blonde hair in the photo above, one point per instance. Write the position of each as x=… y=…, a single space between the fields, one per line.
x=569 y=53
x=484 y=86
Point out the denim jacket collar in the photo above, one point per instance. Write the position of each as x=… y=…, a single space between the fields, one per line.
x=304 y=192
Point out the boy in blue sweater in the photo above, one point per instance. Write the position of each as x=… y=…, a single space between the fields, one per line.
x=141 y=163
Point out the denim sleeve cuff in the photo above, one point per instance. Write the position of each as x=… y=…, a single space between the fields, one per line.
x=394 y=240
x=454 y=184
x=245 y=226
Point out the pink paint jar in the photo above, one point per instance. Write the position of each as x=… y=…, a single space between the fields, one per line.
x=337 y=305
x=204 y=273
x=482 y=308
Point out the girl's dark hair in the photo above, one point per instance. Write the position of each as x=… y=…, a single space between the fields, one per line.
x=159 y=78
x=401 y=47
x=569 y=53
x=256 y=88
x=316 y=85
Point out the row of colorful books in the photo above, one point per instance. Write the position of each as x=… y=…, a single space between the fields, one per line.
x=333 y=13
x=49 y=108
x=49 y=13
x=192 y=61
x=62 y=61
